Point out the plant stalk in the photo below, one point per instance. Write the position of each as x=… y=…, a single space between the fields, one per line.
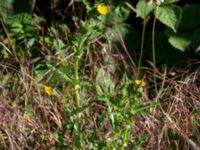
x=153 y=51
x=142 y=42
x=76 y=85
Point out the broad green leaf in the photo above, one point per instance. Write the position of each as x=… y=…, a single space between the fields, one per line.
x=179 y=42
x=121 y=13
x=169 y=15
x=143 y=9
x=165 y=52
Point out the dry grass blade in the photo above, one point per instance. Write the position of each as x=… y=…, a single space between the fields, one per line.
x=2 y=109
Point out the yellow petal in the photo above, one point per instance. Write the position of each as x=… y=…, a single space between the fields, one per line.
x=48 y=90
x=143 y=84
x=102 y=9
x=5 y=41
x=137 y=82
x=140 y=83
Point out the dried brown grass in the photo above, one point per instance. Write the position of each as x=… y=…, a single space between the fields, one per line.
x=174 y=124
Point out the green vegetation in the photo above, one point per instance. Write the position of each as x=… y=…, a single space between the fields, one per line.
x=111 y=75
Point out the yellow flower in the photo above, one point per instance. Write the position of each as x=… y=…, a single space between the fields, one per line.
x=5 y=41
x=102 y=9
x=140 y=83
x=48 y=90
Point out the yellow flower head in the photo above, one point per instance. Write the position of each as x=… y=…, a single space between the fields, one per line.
x=5 y=41
x=102 y=9
x=140 y=83
x=48 y=90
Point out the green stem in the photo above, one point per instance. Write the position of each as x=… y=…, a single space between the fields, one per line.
x=76 y=85
x=125 y=138
x=142 y=42
x=153 y=51
x=76 y=76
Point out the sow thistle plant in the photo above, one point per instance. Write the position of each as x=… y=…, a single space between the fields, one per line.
x=121 y=102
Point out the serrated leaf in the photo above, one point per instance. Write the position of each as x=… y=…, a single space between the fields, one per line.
x=104 y=82
x=180 y=42
x=170 y=15
x=121 y=13
x=143 y=9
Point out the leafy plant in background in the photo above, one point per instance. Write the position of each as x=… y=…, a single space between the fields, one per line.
x=186 y=37
x=6 y=8
x=176 y=32
x=23 y=26
x=164 y=11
